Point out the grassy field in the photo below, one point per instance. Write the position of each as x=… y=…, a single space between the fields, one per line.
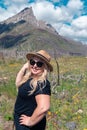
x=69 y=94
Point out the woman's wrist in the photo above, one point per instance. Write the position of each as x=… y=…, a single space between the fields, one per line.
x=23 y=70
x=29 y=122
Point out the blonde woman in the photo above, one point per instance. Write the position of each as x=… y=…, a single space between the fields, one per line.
x=33 y=99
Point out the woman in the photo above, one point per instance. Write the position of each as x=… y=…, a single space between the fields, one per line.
x=33 y=100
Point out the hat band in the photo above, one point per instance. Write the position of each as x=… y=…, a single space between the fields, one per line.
x=43 y=57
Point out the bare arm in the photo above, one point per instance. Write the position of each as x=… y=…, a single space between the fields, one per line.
x=21 y=74
x=43 y=105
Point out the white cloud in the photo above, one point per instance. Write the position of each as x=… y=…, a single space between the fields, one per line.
x=55 y=1
x=13 y=7
x=75 y=5
x=21 y=1
x=80 y=23
x=15 y=1
x=66 y=30
x=77 y=30
x=50 y=13
x=60 y=16
x=44 y=11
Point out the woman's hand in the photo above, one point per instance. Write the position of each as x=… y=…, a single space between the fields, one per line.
x=24 y=120
x=25 y=67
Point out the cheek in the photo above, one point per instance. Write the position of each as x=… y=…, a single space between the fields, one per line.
x=39 y=70
x=30 y=67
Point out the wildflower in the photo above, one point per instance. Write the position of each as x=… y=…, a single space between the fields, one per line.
x=49 y=113
x=56 y=112
x=78 y=117
x=80 y=111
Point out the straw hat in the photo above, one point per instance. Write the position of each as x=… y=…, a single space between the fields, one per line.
x=43 y=55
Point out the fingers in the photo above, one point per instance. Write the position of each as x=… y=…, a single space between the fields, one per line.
x=24 y=120
x=23 y=116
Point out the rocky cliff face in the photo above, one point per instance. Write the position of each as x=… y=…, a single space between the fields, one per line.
x=28 y=16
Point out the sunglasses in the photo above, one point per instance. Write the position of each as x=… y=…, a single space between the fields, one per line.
x=38 y=63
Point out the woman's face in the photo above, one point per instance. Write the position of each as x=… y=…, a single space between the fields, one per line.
x=36 y=66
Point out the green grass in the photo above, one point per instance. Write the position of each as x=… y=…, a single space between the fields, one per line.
x=68 y=100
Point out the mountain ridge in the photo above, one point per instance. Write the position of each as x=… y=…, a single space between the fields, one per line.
x=28 y=16
x=23 y=33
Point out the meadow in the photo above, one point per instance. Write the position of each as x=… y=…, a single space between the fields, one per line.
x=69 y=93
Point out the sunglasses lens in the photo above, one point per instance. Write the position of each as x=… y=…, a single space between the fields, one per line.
x=39 y=63
x=32 y=62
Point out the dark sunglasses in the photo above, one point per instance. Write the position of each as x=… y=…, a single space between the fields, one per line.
x=38 y=63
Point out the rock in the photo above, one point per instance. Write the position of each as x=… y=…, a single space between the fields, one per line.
x=71 y=125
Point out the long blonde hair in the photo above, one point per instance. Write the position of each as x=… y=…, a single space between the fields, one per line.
x=40 y=78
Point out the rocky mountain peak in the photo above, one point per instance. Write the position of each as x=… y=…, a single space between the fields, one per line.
x=28 y=11
x=26 y=15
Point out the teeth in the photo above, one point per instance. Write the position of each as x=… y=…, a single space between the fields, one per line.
x=35 y=69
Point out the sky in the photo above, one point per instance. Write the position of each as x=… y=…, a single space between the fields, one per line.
x=68 y=17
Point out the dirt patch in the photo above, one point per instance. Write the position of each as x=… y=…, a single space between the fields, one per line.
x=5 y=125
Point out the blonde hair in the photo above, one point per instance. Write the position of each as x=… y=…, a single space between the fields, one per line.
x=41 y=78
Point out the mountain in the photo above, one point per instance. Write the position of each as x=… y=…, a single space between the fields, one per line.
x=23 y=33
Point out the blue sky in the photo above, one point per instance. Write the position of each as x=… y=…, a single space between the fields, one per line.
x=68 y=17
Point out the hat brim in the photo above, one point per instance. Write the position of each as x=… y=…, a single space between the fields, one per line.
x=30 y=55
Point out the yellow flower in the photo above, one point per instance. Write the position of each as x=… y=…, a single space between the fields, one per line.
x=56 y=112
x=49 y=113
x=78 y=117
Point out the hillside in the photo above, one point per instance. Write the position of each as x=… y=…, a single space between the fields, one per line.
x=23 y=32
